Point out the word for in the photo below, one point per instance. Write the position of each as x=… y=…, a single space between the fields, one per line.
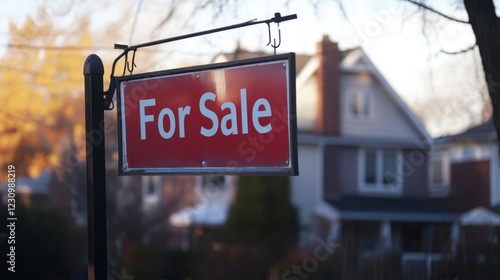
x=229 y=124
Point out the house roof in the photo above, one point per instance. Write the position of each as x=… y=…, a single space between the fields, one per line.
x=391 y=93
x=240 y=53
x=482 y=132
x=391 y=208
x=352 y=60
x=480 y=216
x=208 y=214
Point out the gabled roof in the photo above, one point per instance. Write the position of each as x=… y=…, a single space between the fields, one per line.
x=352 y=61
x=356 y=60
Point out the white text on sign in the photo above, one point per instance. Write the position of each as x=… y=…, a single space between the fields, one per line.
x=228 y=124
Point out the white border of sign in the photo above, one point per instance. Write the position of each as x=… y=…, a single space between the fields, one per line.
x=290 y=169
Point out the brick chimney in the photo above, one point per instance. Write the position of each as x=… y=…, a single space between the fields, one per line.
x=328 y=75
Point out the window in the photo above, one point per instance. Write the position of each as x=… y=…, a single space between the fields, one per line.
x=214 y=181
x=439 y=175
x=389 y=165
x=360 y=104
x=151 y=191
x=214 y=188
x=370 y=167
x=151 y=187
x=380 y=170
x=437 y=172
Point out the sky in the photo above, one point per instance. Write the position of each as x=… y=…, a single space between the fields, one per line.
x=390 y=32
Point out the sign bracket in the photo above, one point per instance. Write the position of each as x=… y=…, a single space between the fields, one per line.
x=93 y=71
x=108 y=95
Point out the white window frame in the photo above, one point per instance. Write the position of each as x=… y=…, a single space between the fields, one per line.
x=207 y=193
x=379 y=186
x=150 y=199
x=442 y=188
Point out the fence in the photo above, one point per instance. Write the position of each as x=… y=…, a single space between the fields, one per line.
x=418 y=266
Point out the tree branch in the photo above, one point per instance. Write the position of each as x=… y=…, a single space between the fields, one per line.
x=425 y=7
x=460 y=51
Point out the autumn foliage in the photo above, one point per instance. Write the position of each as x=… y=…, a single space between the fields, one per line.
x=42 y=114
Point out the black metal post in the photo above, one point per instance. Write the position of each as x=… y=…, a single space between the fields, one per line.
x=93 y=70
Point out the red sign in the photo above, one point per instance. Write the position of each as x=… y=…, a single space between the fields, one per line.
x=233 y=118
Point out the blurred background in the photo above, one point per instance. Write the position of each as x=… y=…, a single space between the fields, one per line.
x=400 y=181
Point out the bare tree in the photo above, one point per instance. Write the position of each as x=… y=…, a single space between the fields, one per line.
x=486 y=27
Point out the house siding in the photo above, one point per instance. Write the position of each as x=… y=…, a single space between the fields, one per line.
x=307 y=105
x=341 y=170
x=385 y=121
x=349 y=169
x=470 y=182
x=415 y=173
x=495 y=178
x=475 y=151
x=305 y=187
x=331 y=167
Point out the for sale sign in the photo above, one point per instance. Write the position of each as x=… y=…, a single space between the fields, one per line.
x=231 y=118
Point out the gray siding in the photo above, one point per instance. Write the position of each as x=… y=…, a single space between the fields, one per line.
x=415 y=173
x=386 y=119
x=341 y=170
x=349 y=170
x=307 y=105
x=304 y=188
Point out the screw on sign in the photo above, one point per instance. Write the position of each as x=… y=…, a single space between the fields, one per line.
x=210 y=116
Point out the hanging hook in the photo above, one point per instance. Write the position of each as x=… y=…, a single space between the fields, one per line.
x=131 y=68
x=274 y=45
x=129 y=65
x=277 y=19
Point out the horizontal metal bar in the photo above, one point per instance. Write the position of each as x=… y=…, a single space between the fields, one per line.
x=277 y=19
x=195 y=34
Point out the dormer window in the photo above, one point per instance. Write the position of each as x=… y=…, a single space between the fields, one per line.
x=360 y=104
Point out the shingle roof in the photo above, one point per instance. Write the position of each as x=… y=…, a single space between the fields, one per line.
x=481 y=132
x=239 y=54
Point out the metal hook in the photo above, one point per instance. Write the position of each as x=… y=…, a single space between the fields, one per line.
x=276 y=19
x=131 y=68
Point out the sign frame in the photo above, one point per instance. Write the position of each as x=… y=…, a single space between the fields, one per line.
x=290 y=166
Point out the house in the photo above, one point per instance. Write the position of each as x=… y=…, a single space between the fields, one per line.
x=200 y=226
x=465 y=172
x=29 y=190
x=363 y=160
x=465 y=168
x=63 y=193
x=364 y=163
